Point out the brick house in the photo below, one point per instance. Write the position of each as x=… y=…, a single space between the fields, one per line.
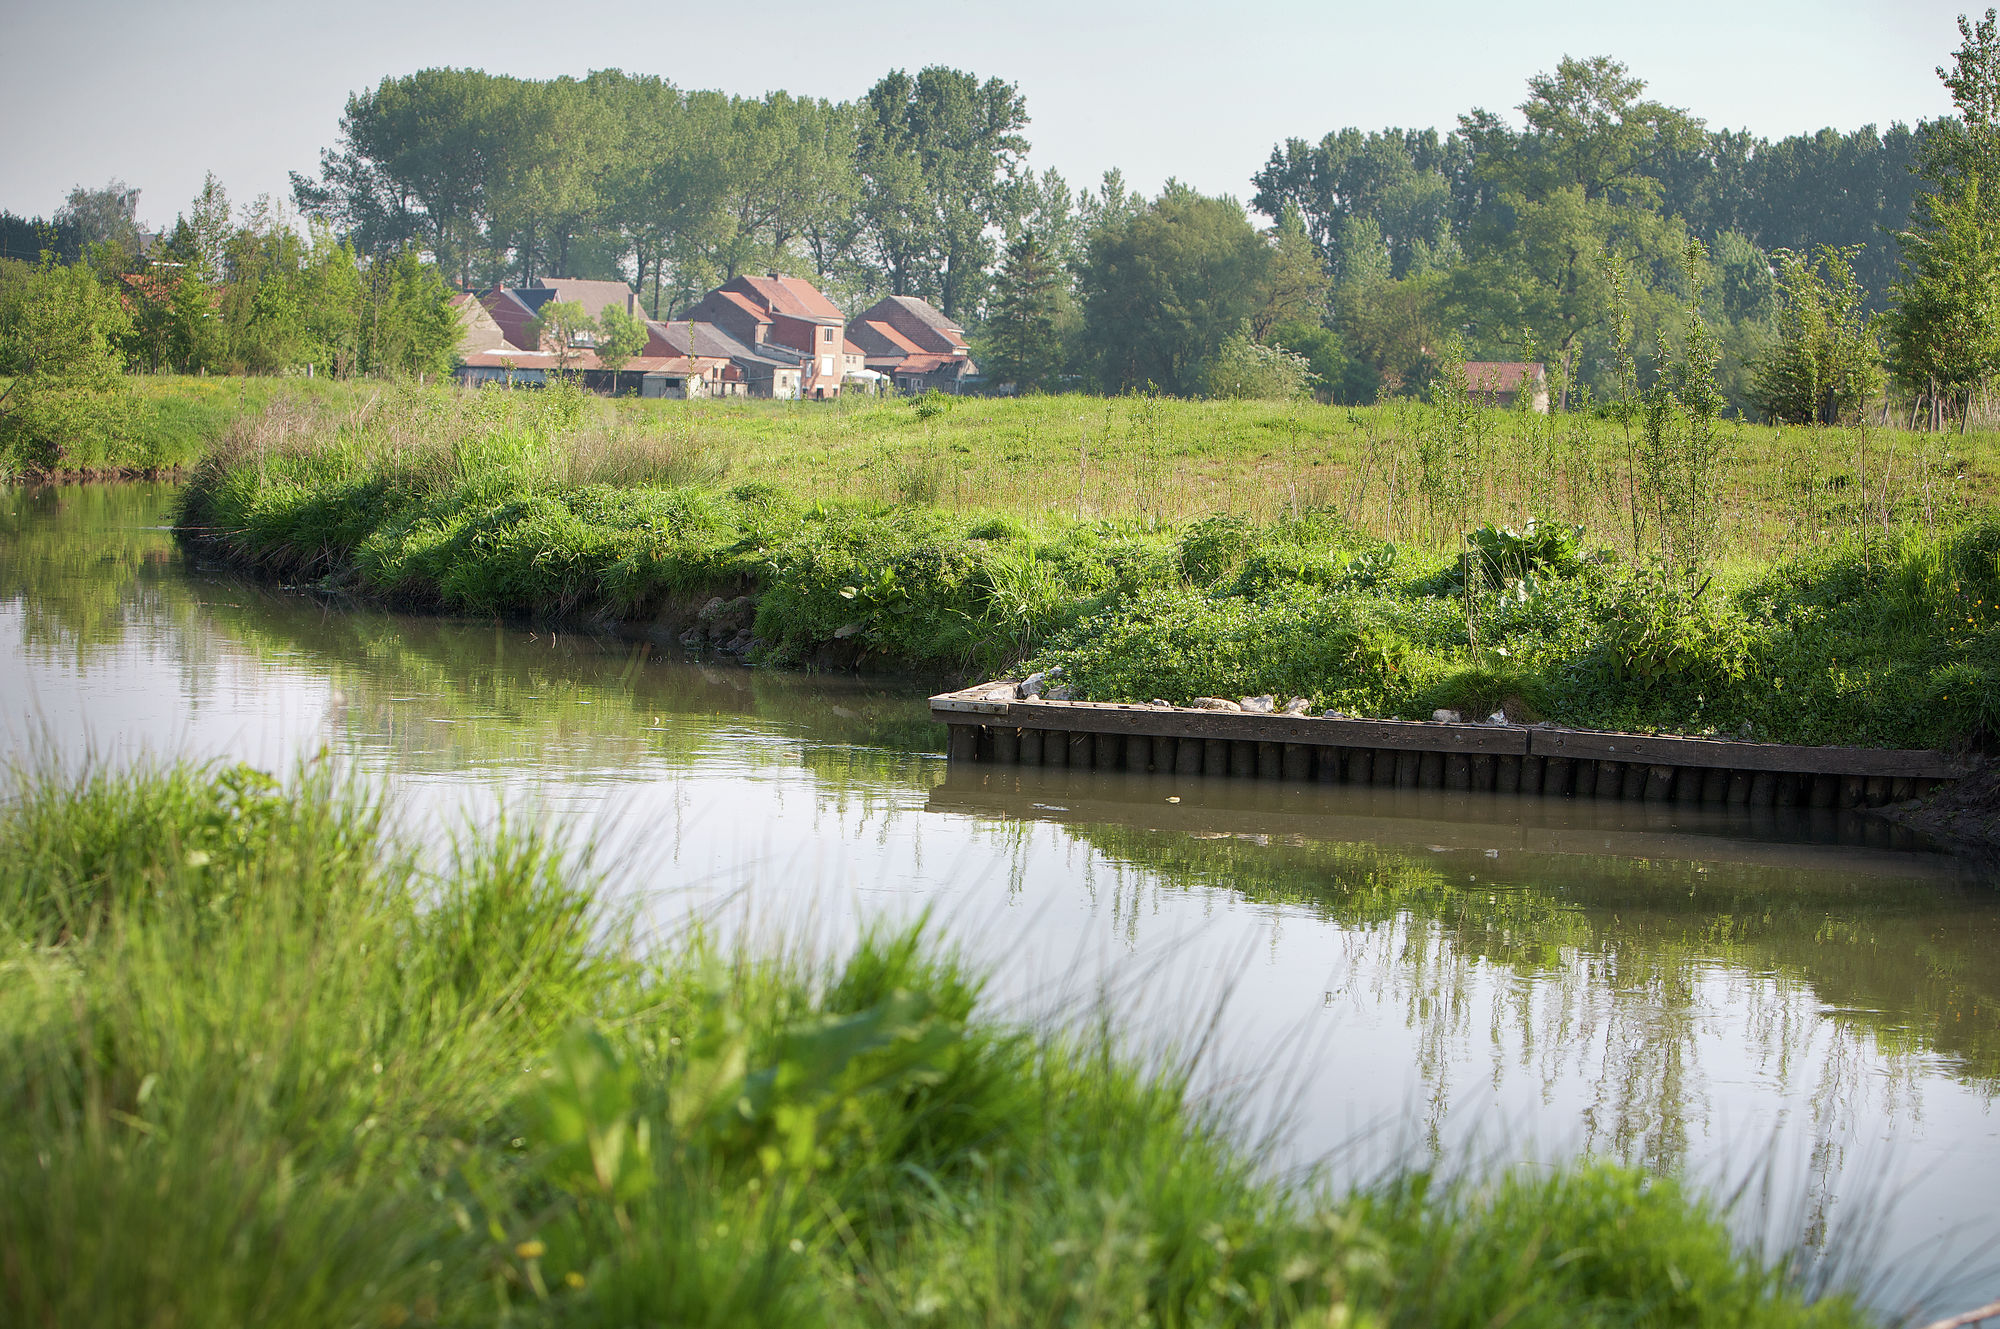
x=913 y=345
x=793 y=333
x=1502 y=382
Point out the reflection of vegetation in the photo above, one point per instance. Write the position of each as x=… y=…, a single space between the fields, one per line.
x=314 y=1085
x=83 y=561
x=486 y=694
x=1620 y=950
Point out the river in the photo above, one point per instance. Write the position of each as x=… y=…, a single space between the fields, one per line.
x=1806 y=1010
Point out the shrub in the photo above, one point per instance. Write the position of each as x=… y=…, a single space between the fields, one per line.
x=1179 y=646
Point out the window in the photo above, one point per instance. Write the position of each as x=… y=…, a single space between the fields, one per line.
x=826 y=335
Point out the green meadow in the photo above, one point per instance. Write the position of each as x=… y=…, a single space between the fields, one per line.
x=1840 y=585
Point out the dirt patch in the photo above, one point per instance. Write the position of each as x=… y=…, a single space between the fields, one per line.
x=1964 y=817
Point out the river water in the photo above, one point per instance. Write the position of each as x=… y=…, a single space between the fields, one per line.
x=1807 y=1010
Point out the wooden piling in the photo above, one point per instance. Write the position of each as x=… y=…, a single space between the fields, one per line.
x=990 y=723
x=1243 y=760
x=1215 y=757
x=1297 y=761
x=1610 y=779
x=1583 y=779
x=1270 y=761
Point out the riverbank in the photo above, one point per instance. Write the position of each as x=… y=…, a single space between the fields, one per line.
x=520 y=504
x=378 y=1092
x=166 y=422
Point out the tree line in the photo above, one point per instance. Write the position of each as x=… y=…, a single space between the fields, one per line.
x=1826 y=260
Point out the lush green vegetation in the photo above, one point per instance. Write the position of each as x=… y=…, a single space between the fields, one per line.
x=161 y=423
x=261 y=1065
x=1847 y=589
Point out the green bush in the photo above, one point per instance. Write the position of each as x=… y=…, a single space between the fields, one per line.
x=1179 y=646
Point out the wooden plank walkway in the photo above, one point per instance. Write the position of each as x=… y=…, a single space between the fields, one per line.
x=989 y=723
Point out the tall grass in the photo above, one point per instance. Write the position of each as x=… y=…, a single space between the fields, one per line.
x=258 y=1066
x=1878 y=627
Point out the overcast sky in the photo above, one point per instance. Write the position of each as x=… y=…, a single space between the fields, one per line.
x=160 y=92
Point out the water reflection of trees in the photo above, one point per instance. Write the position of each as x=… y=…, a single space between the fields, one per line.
x=1615 y=979
x=82 y=567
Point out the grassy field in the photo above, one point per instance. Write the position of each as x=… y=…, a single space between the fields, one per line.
x=259 y=1065
x=1847 y=592
x=171 y=420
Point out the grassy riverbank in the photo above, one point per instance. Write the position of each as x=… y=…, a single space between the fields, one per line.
x=166 y=423
x=1878 y=627
x=258 y=1066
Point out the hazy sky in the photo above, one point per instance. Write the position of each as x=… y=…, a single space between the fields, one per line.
x=159 y=92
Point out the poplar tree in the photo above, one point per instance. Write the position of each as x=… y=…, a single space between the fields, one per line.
x=1943 y=330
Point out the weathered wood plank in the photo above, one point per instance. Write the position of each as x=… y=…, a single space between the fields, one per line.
x=1600 y=763
x=1732 y=755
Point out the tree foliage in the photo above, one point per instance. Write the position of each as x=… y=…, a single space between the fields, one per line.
x=1166 y=284
x=1826 y=364
x=60 y=344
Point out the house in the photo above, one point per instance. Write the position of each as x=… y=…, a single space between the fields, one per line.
x=765 y=336
x=793 y=333
x=477 y=328
x=913 y=345
x=1502 y=381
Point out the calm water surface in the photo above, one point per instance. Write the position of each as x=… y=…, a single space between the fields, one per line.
x=1388 y=976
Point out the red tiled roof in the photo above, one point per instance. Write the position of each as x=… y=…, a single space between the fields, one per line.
x=746 y=304
x=794 y=296
x=892 y=336
x=1501 y=375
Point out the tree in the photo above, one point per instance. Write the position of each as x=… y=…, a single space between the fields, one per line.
x=1163 y=289
x=1297 y=285
x=107 y=217
x=1334 y=373
x=939 y=155
x=1026 y=338
x=1246 y=369
x=620 y=336
x=62 y=347
x=1574 y=190
x=1826 y=365
x=564 y=328
x=1944 y=328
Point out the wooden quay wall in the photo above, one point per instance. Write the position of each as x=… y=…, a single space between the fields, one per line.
x=989 y=724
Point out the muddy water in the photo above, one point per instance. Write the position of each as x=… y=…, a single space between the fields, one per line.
x=1383 y=976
